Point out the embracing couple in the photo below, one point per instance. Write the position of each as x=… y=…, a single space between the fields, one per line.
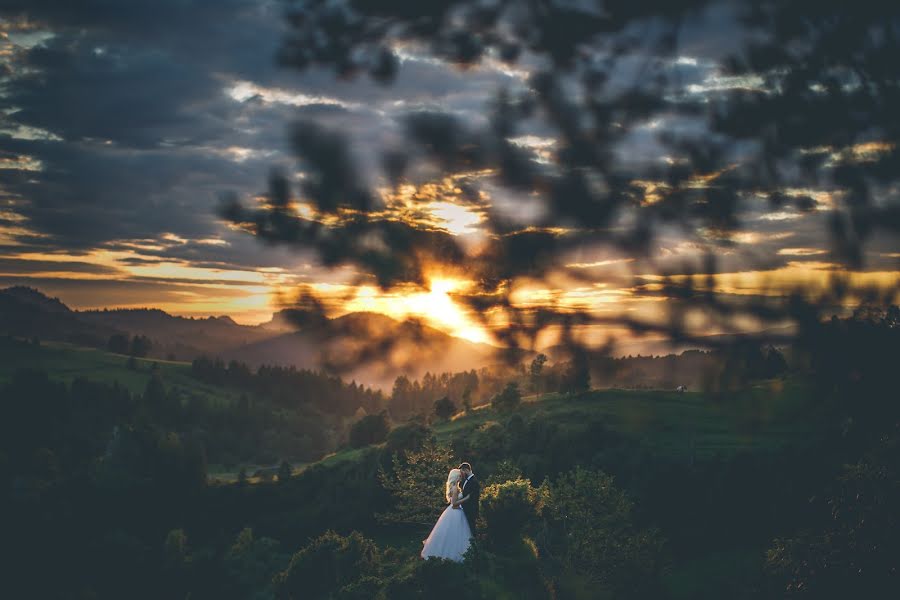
x=455 y=528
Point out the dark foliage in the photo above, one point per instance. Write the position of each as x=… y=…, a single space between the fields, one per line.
x=508 y=508
x=444 y=408
x=408 y=437
x=371 y=429
x=289 y=387
x=327 y=566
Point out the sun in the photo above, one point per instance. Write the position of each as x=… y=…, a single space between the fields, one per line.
x=443 y=311
x=435 y=306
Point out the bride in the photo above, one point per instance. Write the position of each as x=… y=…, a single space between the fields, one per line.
x=451 y=535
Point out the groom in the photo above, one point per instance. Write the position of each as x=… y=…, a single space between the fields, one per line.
x=470 y=493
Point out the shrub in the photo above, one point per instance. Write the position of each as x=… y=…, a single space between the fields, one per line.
x=435 y=579
x=371 y=429
x=444 y=408
x=508 y=508
x=326 y=565
x=591 y=528
x=505 y=470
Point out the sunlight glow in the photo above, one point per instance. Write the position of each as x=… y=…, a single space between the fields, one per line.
x=436 y=306
x=456 y=219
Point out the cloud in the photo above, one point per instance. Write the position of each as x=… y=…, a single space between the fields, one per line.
x=128 y=120
x=10 y=266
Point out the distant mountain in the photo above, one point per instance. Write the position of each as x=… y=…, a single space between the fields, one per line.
x=281 y=321
x=32 y=297
x=370 y=348
x=26 y=312
x=158 y=322
x=183 y=337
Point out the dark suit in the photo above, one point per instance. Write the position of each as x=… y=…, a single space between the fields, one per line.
x=472 y=489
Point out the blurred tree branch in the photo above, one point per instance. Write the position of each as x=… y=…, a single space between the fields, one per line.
x=814 y=110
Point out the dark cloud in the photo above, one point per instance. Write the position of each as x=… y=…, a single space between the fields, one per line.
x=20 y=266
x=88 y=193
x=239 y=36
x=142 y=136
x=129 y=97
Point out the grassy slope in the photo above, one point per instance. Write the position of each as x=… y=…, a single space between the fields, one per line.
x=763 y=417
x=65 y=362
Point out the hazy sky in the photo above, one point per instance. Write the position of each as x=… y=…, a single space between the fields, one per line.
x=122 y=124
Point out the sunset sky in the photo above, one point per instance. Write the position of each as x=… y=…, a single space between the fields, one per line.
x=123 y=124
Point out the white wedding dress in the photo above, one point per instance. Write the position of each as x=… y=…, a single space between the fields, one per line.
x=450 y=537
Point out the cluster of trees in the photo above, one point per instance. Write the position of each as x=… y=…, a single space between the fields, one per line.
x=410 y=397
x=138 y=345
x=289 y=387
x=567 y=376
x=251 y=429
x=442 y=396
x=724 y=369
x=48 y=428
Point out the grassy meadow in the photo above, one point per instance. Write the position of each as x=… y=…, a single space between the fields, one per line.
x=764 y=417
x=66 y=362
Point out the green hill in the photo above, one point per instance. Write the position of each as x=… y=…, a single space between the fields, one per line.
x=66 y=362
x=764 y=417
x=679 y=425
